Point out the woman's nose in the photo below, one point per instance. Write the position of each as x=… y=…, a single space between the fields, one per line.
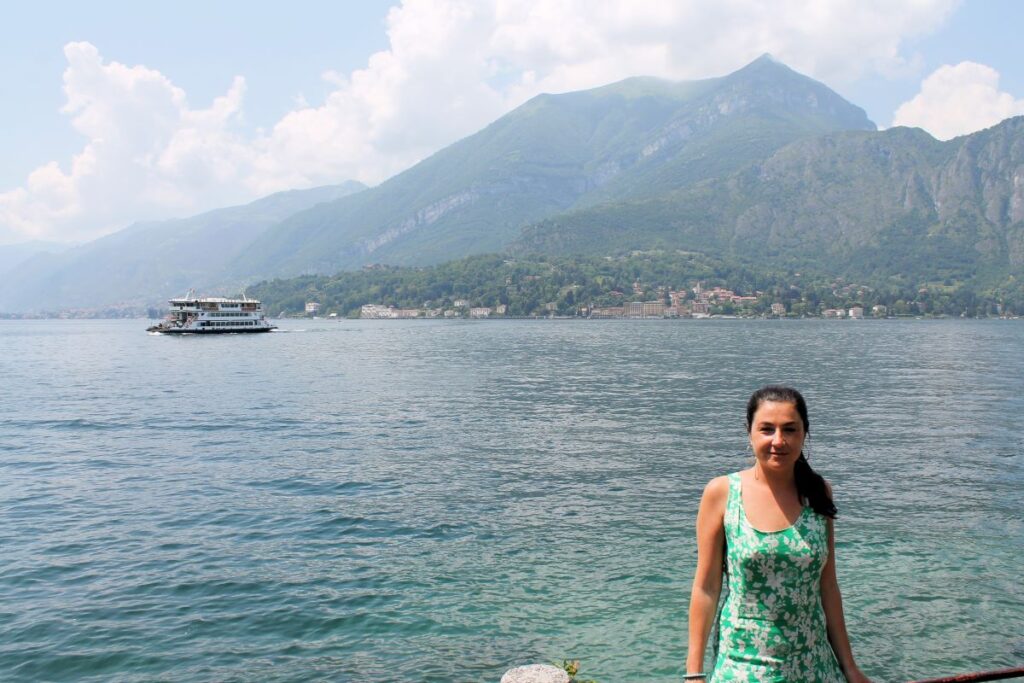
x=777 y=437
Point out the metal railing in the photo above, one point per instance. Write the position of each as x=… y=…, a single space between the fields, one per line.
x=997 y=675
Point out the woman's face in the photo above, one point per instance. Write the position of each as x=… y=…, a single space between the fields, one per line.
x=777 y=435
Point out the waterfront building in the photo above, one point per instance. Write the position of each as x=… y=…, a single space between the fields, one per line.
x=407 y=312
x=312 y=308
x=644 y=309
x=633 y=309
x=778 y=309
x=857 y=312
x=377 y=311
x=479 y=312
x=654 y=309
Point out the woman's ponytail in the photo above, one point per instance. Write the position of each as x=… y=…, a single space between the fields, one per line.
x=810 y=486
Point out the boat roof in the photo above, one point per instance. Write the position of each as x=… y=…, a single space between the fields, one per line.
x=212 y=300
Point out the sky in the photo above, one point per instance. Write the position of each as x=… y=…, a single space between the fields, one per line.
x=117 y=112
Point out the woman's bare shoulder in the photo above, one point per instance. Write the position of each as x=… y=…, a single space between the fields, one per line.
x=716 y=491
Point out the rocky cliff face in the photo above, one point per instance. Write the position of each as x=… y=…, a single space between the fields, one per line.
x=838 y=199
x=843 y=192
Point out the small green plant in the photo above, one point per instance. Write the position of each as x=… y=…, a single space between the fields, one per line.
x=572 y=667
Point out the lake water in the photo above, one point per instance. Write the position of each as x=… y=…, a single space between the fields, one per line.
x=442 y=500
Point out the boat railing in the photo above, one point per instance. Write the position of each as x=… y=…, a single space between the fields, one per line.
x=977 y=676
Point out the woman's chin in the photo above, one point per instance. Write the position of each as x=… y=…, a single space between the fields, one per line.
x=774 y=463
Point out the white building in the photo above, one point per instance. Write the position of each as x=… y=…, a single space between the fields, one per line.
x=312 y=308
x=376 y=311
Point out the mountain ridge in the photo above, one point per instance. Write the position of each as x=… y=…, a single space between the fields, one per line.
x=762 y=163
x=146 y=262
x=835 y=200
x=549 y=154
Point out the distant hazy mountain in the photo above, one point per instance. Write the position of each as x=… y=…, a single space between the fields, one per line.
x=148 y=262
x=637 y=138
x=13 y=255
x=892 y=203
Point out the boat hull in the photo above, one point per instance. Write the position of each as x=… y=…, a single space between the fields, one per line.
x=162 y=330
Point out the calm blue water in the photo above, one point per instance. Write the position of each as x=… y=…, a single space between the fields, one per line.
x=440 y=501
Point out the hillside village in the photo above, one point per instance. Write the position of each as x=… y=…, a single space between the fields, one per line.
x=696 y=302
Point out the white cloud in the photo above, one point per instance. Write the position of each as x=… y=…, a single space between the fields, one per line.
x=957 y=100
x=452 y=67
x=147 y=155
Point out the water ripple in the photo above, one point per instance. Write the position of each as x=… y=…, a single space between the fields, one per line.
x=428 y=501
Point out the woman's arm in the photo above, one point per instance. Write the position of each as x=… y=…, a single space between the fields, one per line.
x=832 y=603
x=707 y=581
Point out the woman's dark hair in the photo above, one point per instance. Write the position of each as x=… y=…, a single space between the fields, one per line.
x=810 y=485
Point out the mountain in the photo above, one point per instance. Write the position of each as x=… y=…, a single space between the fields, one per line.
x=897 y=202
x=13 y=255
x=763 y=166
x=148 y=262
x=556 y=153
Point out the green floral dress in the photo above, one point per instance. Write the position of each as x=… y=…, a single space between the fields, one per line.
x=772 y=627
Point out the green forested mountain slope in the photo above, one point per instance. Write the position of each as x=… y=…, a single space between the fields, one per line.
x=896 y=202
x=148 y=262
x=639 y=137
x=763 y=168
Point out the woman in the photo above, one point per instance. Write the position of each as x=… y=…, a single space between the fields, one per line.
x=770 y=528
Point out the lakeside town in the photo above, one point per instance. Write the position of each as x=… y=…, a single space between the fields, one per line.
x=697 y=302
x=525 y=300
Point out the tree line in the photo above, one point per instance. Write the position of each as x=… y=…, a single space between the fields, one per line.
x=540 y=285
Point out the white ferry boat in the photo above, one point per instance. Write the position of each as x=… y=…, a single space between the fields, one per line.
x=213 y=315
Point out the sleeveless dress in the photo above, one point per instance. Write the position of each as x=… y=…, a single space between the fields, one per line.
x=772 y=626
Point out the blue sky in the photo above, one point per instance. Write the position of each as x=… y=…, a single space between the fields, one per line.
x=117 y=111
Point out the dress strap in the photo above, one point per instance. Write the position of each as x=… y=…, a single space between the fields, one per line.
x=734 y=503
